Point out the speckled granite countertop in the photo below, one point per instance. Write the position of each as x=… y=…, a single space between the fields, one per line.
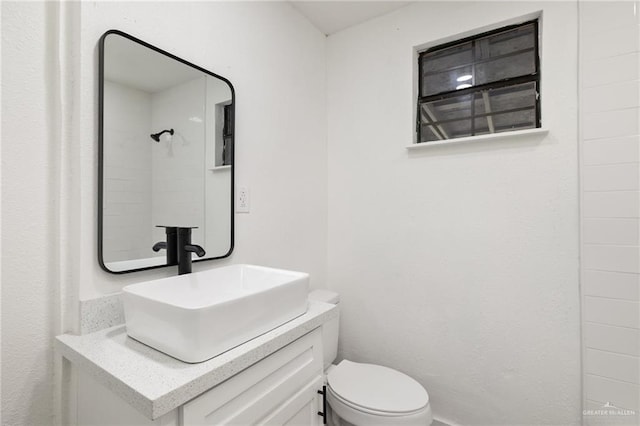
x=155 y=383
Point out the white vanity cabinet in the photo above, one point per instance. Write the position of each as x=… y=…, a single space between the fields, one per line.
x=280 y=389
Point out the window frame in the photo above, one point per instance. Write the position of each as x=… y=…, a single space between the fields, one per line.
x=227 y=134
x=477 y=89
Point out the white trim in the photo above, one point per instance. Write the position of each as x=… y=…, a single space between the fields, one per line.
x=481 y=138
x=215 y=169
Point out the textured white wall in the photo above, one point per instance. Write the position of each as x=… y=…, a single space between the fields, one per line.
x=458 y=264
x=610 y=183
x=33 y=196
x=276 y=60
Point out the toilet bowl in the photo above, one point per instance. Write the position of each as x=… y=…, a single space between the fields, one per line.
x=367 y=394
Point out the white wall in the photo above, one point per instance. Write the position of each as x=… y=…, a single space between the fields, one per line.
x=610 y=214
x=37 y=236
x=127 y=167
x=276 y=61
x=457 y=264
x=178 y=161
x=26 y=169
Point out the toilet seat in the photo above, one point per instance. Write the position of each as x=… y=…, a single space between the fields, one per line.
x=350 y=405
x=358 y=417
x=376 y=390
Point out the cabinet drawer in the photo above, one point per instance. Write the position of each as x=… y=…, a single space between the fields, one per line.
x=252 y=395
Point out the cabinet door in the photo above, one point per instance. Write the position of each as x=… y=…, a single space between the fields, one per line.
x=253 y=395
x=301 y=410
x=99 y=406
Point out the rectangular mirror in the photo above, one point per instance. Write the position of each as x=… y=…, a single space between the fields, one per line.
x=166 y=138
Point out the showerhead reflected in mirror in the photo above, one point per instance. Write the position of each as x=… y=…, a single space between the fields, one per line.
x=156 y=136
x=166 y=155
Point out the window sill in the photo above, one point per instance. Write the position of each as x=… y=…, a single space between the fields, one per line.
x=217 y=168
x=490 y=137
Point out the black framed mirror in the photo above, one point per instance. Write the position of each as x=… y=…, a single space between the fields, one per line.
x=166 y=155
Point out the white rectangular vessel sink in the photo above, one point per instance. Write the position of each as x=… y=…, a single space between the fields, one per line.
x=195 y=317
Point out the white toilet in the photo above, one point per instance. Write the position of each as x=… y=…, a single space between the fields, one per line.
x=367 y=394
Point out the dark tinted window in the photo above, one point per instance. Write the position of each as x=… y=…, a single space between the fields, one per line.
x=484 y=84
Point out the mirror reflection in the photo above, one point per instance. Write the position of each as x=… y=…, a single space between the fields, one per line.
x=166 y=155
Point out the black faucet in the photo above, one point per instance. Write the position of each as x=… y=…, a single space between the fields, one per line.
x=171 y=244
x=185 y=248
x=179 y=248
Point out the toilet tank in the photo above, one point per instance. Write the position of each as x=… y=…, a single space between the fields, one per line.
x=330 y=328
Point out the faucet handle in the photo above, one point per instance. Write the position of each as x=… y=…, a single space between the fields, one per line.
x=185 y=248
x=171 y=244
x=159 y=245
x=193 y=248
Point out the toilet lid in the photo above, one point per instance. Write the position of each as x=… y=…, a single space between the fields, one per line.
x=377 y=388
